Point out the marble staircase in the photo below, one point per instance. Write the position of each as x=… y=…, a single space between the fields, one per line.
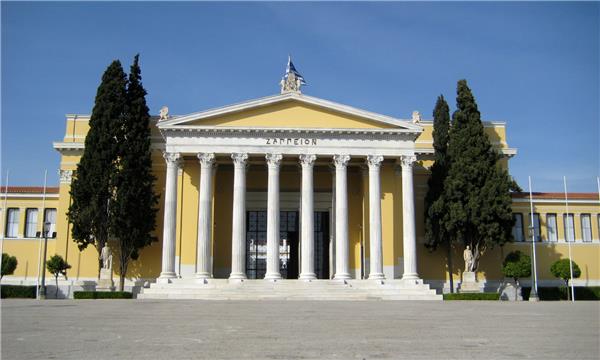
x=222 y=289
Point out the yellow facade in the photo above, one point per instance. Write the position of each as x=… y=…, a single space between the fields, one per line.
x=431 y=266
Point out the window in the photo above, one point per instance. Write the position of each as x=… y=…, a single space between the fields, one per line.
x=12 y=223
x=569 y=223
x=551 y=227
x=50 y=216
x=586 y=227
x=30 y=222
x=536 y=225
x=518 y=227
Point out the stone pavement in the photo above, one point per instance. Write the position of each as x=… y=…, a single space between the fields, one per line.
x=183 y=329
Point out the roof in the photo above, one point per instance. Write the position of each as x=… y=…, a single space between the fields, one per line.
x=556 y=196
x=345 y=109
x=29 y=190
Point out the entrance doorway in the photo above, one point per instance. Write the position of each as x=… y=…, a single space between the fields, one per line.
x=289 y=244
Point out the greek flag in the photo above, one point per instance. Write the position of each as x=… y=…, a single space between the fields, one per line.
x=292 y=69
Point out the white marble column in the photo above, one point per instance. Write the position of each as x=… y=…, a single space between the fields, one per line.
x=238 y=226
x=408 y=219
x=273 y=162
x=308 y=230
x=203 y=260
x=375 y=245
x=170 y=216
x=342 y=253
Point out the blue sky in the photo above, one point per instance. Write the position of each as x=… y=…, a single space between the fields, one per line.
x=533 y=65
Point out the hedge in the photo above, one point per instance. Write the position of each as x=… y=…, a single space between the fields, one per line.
x=472 y=296
x=17 y=291
x=560 y=293
x=102 y=295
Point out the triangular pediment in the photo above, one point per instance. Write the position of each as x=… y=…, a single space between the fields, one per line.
x=289 y=111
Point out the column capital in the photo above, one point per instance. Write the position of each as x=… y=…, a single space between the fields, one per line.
x=65 y=176
x=307 y=159
x=172 y=159
x=341 y=161
x=407 y=160
x=206 y=159
x=374 y=161
x=273 y=160
x=239 y=159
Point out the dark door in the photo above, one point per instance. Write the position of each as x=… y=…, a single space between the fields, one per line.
x=256 y=244
x=322 y=244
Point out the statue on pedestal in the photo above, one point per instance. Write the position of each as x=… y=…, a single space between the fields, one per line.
x=469 y=281
x=106 y=257
x=105 y=283
x=468 y=257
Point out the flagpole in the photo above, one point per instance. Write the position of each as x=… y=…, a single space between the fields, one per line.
x=4 y=211
x=567 y=238
x=598 y=181
x=40 y=266
x=533 y=296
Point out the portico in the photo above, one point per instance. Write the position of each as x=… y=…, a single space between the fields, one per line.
x=298 y=132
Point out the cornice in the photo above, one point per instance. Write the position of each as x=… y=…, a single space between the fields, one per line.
x=508 y=152
x=173 y=129
x=65 y=146
x=486 y=123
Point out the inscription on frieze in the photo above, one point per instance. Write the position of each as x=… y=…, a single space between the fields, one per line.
x=290 y=141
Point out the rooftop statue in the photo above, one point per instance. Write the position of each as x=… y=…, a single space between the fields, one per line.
x=292 y=80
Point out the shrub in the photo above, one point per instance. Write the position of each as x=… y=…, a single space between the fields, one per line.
x=57 y=266
x=562 y=270
x=17 y=291
x=102 y=295
x=472 y=296
x=516 y=266
x=9 y=264
x=561 y=293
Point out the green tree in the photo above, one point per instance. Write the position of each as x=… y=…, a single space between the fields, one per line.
x=562 y=270
x=133 y=208
x=516 y=265
x=56 y=265
x=434 y=201
x=477 y=189
x=92 y=186
x=9 y=264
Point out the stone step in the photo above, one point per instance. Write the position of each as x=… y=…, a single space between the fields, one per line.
x=222 y=289
x=358 y=297
x=379 y=292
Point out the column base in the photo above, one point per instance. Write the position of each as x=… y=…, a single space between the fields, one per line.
x=376 y=276
x=166 y=277
x=342 y=276
x=412 y=279
x=308 y=277
x=237 y=277
x=273 y=277
x=202 y=278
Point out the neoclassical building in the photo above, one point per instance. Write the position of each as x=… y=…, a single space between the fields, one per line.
x=291 y=186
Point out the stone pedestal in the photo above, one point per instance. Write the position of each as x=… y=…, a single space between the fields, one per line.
x=105 y=283
x=469 y=283
x=510 y=291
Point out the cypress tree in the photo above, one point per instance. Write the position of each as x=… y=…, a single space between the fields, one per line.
x=476 y=194
x=133 y=210
x=92 y=185
x=434 y=201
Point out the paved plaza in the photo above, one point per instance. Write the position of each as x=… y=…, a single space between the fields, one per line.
x=157 y=329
